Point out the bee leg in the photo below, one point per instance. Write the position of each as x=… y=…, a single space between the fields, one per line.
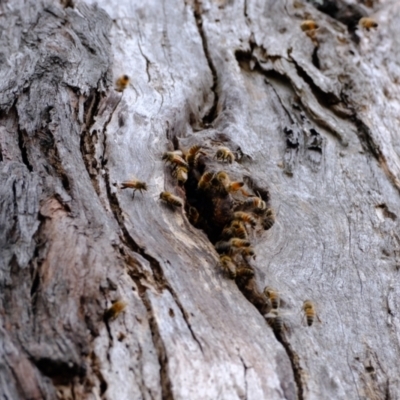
x=133 y=194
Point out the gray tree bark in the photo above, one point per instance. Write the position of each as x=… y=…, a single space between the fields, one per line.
x=312 y=118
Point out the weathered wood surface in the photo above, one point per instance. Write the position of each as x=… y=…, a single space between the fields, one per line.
x=316 y=121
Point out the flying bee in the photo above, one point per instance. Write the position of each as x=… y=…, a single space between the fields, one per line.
x=193 y=154
x=228 y=266
x=225 y=155
x=248 y=252
x=180 y=173
x=309 y=312
x=205 y=180
x=255 y=202
x=273 y=296
x=368 y=23
x=245 y=217
x=174 y=158
x=171 y=199
x=269 y=219
x=122 y=83
x=244 y=272
x=135 y=185
x=116 y=309
x=308 y=25
x=235 y=242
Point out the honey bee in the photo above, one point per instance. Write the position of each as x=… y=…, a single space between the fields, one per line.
x=174 y=158
x=309 y=312
x=205 y=180
x=273 y=296
x=227 y=233
x=180 y=173
x=244 y=272
x=234 y=186
x=223 y=247
x=228 y=265
x=235 y=242
x=255 y=202
x=368 y=23
x=171 y=199
x=122 y=83
x=269 y=219
x=193 y=215
x=245 y=217
x=116 y=309
x=308 y=25
x=193 y=154
x=248 y=252
x=222 y=178
x=275 y=320
x=135 y=185
x=225 y=155
x=236 y=229
x=220 y=182
x=231 y=246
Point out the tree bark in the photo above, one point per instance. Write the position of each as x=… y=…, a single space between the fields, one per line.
x=311 y=118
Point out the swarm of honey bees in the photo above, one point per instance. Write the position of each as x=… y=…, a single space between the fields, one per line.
x=230 y=214
x=224 y=208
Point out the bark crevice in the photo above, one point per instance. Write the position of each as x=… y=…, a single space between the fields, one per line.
x=213 y=111
x=295 y=362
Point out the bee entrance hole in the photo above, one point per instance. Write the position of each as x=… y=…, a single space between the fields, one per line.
x=204 y=210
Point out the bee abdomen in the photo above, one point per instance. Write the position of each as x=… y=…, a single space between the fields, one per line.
x=244 y=271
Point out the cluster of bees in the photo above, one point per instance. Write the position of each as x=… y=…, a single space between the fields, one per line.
x=222 y=207
x=227 y=212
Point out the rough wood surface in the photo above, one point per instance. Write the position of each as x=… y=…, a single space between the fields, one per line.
x=312 y=118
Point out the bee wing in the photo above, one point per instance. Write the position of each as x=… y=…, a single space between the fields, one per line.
x=281 y=313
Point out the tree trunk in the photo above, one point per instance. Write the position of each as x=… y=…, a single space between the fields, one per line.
x=310 y=118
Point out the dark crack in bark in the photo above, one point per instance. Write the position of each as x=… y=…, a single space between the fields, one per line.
x=370 y=146
x=24 y=152
x=161 y=281
x=166 y=384
x=295 y=362
x=212 y=113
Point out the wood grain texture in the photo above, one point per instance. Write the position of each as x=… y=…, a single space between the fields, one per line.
x=312 y=120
